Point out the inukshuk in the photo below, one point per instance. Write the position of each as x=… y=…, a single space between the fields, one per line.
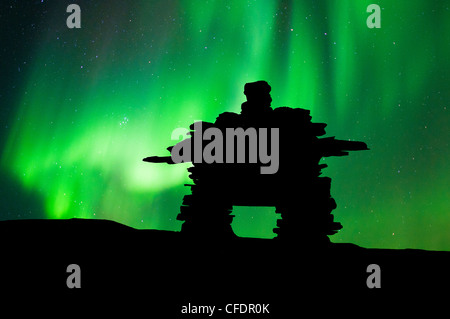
x=225 y=173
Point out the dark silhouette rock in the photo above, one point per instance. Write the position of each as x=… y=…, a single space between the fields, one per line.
x=157 y=272
x=294 y=187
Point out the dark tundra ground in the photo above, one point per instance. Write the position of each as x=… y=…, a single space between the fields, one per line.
x=158 y=272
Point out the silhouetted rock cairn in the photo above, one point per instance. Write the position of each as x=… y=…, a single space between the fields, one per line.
x=297 y=191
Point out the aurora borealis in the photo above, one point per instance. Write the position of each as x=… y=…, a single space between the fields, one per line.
x=82 y=107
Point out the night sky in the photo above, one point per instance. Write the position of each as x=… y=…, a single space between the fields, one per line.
x=82 y=107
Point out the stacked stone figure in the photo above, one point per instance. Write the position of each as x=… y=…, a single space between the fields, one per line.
x=296 y=189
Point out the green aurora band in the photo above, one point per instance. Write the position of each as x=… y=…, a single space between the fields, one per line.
x=96 y=100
